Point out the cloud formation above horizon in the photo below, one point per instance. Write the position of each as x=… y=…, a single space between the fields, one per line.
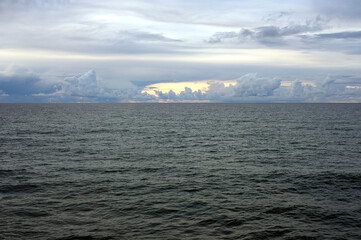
x=48 y=46
x=252 y=87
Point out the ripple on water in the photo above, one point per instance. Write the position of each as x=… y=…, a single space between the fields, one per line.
x=182 y=171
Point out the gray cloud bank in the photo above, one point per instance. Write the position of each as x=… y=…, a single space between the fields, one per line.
x=21 y=84
x=255 y=88
x=268 y=32
x=86 y=87
x=79 y=26
x=16 y=80
x=291 y=37
x=340 y=35
x=76 y=26
x=174 y=27
x=346 y=9
x=26 y=86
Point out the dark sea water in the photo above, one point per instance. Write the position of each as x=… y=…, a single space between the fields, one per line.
x=180 y=171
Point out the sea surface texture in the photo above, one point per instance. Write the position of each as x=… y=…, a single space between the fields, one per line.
x=180 y=171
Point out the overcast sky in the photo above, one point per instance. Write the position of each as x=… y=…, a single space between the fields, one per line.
x=161 y=50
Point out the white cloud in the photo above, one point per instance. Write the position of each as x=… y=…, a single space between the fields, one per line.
x=249 y=87
x=85 y=85
x=3 y=94
x=255 y=85
x=342 y=87
x=256 y=88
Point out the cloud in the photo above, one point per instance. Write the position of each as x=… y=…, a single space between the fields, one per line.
x=340 y=35
x=187 y=95
x=255 y=85
x=3 y=94
x=249 y=87
x=78 y=27
x=320 y=34
x=256 y=88
x=20 y=84
x=86 y=87
x=342 y=87
x=220 y=36
x=21 y=81
x=297 y=89
x=145 y=36
x=130 y=44
x=277 y=16
x=173 y=27
x=26 y=4
x=347 y=42
x=299 y=92
x=346 y=9
x=332 y=89
x=261 y=34
x=17 y=80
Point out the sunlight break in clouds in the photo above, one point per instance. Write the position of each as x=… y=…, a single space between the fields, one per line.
x=178 y=87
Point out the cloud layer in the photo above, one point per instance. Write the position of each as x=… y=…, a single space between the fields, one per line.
x=18 y=81
x=255 y=88
x=132 y=43
x=267 y=33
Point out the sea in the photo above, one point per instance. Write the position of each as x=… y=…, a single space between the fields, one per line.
x=180 y=171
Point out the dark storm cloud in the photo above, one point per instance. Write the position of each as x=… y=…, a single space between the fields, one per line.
x=16 y=80
x=26 y=85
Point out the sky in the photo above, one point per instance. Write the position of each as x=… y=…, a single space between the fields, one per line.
x=180 y=51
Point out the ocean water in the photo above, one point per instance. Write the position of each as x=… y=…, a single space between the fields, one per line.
x=180 y=171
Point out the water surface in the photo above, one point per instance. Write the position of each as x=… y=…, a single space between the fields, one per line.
x=180 y=171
